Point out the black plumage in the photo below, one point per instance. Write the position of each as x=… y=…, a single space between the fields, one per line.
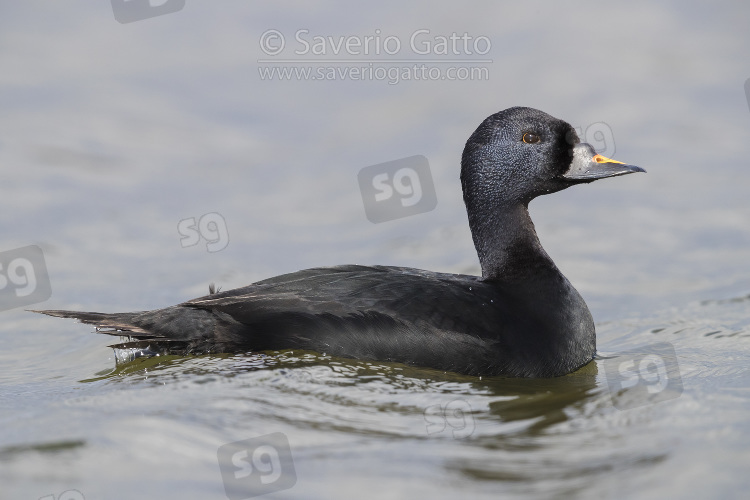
x=520 y=318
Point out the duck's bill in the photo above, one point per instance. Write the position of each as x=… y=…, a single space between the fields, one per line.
x=587 y=165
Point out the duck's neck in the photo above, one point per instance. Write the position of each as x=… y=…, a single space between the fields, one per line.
x=507 y=244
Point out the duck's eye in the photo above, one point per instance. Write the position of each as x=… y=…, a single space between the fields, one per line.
x=530 y=138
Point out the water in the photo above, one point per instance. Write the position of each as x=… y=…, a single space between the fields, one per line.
x=117 y=139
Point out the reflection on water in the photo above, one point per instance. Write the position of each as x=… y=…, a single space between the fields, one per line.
x=543 y=402
x=533 y=404
x=8 y=453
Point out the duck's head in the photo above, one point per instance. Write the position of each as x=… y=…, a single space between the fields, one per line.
x=520 y=153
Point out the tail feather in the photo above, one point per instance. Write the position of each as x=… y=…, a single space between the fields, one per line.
x=173 y=330
x=111 y=324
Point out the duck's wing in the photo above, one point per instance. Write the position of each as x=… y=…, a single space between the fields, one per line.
x=451 y=322
x=445 y=301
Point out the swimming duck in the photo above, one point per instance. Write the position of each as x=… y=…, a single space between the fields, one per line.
x=520 y=318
